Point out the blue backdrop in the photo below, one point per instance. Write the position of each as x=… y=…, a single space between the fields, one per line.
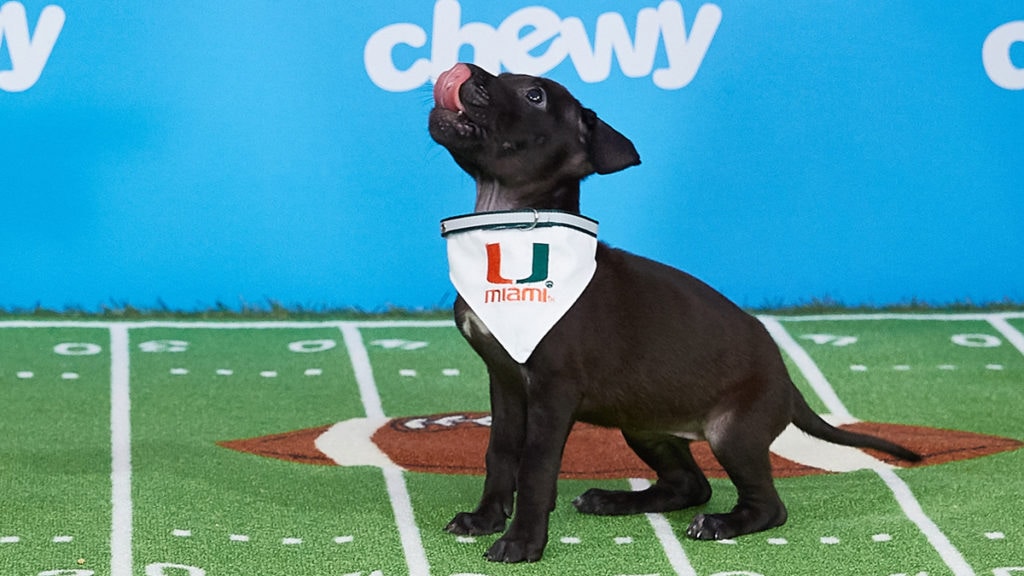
x=195 y=152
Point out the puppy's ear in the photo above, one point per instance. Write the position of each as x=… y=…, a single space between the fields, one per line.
x=608 y=150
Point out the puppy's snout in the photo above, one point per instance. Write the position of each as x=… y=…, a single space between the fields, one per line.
x=446 y=89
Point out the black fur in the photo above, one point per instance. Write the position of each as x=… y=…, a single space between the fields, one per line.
x=647 y=348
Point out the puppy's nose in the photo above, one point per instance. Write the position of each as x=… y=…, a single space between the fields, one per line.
x=446 y=88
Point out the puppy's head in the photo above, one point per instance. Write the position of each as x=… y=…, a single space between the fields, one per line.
x=522 y=131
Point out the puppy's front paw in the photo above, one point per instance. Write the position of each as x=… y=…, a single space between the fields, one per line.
x=511 y=550
x=475 y=524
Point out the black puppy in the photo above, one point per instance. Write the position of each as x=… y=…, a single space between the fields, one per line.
x=646 y=348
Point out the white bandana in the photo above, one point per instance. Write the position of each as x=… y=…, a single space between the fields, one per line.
x=520 y=271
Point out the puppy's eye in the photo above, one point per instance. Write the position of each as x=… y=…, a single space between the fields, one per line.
x=535 y=95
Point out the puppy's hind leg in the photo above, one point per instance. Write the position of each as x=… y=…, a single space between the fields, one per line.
x=680 y=484
x=743 y=450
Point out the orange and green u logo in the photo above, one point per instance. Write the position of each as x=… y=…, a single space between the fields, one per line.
x=539 y=271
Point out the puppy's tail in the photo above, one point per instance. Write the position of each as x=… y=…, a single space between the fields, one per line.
x=805 y=419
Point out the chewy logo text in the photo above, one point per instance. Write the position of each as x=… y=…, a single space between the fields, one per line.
x=514 y=45
x=28 y=53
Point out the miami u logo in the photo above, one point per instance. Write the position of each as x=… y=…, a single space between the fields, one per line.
x=539 y=271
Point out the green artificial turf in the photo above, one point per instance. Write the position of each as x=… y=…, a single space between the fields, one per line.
x=197 y=507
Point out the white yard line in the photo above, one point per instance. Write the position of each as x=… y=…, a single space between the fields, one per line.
x=904 y=496
x=272 y=324
x=898 y=316
x=912 y=509
x=121 y=453
x=398 y=492
x=228 y=324
x=810 y=370
x=663 y=530
x=1012 y=335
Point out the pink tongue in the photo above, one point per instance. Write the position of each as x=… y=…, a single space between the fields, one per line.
x=446 y=89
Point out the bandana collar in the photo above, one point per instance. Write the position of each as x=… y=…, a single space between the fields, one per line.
x=520 y=271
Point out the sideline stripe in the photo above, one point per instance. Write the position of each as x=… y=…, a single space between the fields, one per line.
x=908 y=503
x=398 y=492
x=1012 y=335
x=270 y=324
x=121 y=454
x=663 y=530
x=810 y=370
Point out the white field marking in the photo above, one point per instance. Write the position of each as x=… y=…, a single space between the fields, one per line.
x=795 y=445
x=829 y=540
x=995 y=535
x=313 y=372
x=291 y=541
x=778 y=541
x=995 y=367
x=663 y=530
x=9 y=539
x=241 y=325
x=179 y=371
x=451 y=372
x=1012 y=335
x=858 y=368
x=225 y=372
x=270 y=325
x=620 y=540
x=238 y=538
x=882 y=538
x=62 y=539
x=985 y=316
x=349 y=443
x=465 y=539
x=344 y=539
x=912 y=509
x=398 y=492
x=69 y=376
x=570 y=540
x=121 y=453
x=181 y=533
x=407 y=373
x=814 y=375
x=25 y=375
x=904 y=497
x=268 y=374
